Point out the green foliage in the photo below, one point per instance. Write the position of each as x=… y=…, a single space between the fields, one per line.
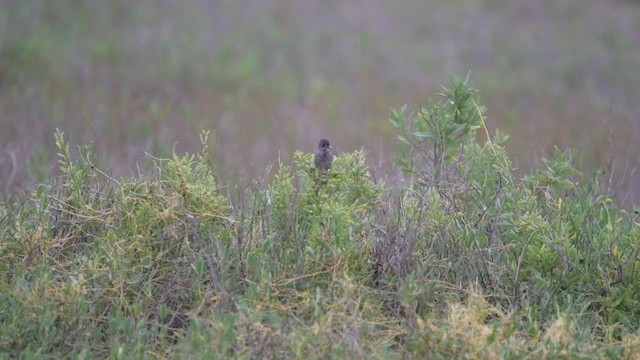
x=464 y=261
x=321 y=226
x=436 y=135
x=552 y=241
x=119 y=259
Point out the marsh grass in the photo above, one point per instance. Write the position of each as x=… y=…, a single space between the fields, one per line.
x=272 y=77
x=462 y=260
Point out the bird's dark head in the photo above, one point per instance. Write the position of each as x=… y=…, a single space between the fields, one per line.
x=324 y=144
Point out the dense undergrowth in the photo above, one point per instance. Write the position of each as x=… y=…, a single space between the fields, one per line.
x=459 y=260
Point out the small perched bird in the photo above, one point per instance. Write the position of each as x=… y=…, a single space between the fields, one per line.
x=324 y=156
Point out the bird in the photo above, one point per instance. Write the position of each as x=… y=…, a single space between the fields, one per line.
x=324 y=156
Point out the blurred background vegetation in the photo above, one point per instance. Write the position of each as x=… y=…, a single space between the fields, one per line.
x=270 y=77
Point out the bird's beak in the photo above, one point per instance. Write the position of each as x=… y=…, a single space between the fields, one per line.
x=330 y=148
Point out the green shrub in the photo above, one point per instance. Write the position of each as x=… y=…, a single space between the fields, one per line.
x=458 y=259
x=552 y=241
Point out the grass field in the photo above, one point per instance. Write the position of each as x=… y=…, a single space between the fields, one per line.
x=272 y=77
x=462 y=261
x=159 y=198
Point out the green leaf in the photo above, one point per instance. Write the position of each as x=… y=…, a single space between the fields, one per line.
x=425 y=134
